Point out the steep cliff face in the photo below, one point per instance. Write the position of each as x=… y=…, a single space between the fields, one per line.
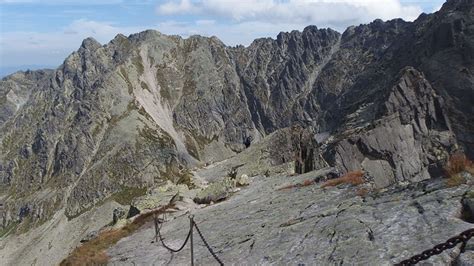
x=138 y=110
x=277 y=75
x=407 y=139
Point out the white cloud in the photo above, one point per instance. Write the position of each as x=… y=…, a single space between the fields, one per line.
x=231 y=34
x=181 y=7
x=241 y=21
x=51 y=48
x=337 y=12
x=62 y=2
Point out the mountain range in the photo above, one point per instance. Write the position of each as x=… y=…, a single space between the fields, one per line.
x=393 y=98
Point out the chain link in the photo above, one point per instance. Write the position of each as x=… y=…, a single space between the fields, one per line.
x=450 y=243
x=207 y=245
x=193 y=223
x=158 y=233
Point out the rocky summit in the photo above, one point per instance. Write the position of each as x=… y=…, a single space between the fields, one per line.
x=312 y=148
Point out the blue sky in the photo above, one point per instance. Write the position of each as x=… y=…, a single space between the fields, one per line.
x=41 y=33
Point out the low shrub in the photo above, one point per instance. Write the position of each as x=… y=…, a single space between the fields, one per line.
x=456 y=164
x=354 y=178
x=93 y=252
x=455 y=180
x=305 y=183
x=362 y=192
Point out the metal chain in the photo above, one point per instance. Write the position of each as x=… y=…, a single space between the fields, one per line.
x=158 y=229
x=450 y=243
x=207 y=245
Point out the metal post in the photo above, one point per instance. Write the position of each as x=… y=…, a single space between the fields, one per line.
x=155 y=219
x=191 y=224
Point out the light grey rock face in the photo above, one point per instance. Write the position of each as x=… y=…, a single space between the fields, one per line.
x=466 y=259
x=408 y=139
x=15 y=91
x=135 y=111
x=309 y=225
x=380 y=171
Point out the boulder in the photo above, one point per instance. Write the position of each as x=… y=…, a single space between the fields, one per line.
x=118 y=214
x=163 y=195
x=243 y=180
x=216 y=191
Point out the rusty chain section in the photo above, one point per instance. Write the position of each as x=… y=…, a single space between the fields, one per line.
x=450 y=243
x=193 y=224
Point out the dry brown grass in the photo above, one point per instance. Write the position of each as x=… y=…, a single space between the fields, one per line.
x=93 y=251
x=362 y=192
x=307 y=182
x=354 y=178
x=457 y=163
x=455 y=180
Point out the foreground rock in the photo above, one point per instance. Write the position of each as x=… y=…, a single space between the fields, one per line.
x=309 y=225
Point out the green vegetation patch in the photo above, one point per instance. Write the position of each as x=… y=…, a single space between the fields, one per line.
x=161 y=77
x=127 y=194
x=137 y=62
x=191 y=146
x=97 y=129
x=145 y=86
x=25 y=225
x=201 y=140
x=8 y=229
x=470 y=194
x=127 y=80
x=154 y=136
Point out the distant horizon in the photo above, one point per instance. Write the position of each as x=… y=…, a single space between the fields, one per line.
x=6 y=71
x=36 y=35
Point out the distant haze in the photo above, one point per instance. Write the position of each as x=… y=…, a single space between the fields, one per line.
x=7 y=70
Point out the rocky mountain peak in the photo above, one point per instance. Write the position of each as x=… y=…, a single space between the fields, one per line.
x=90 y=44
x=466 y=6
x=145 y=36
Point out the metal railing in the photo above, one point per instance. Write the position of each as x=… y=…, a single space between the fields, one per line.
x=189 y=237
